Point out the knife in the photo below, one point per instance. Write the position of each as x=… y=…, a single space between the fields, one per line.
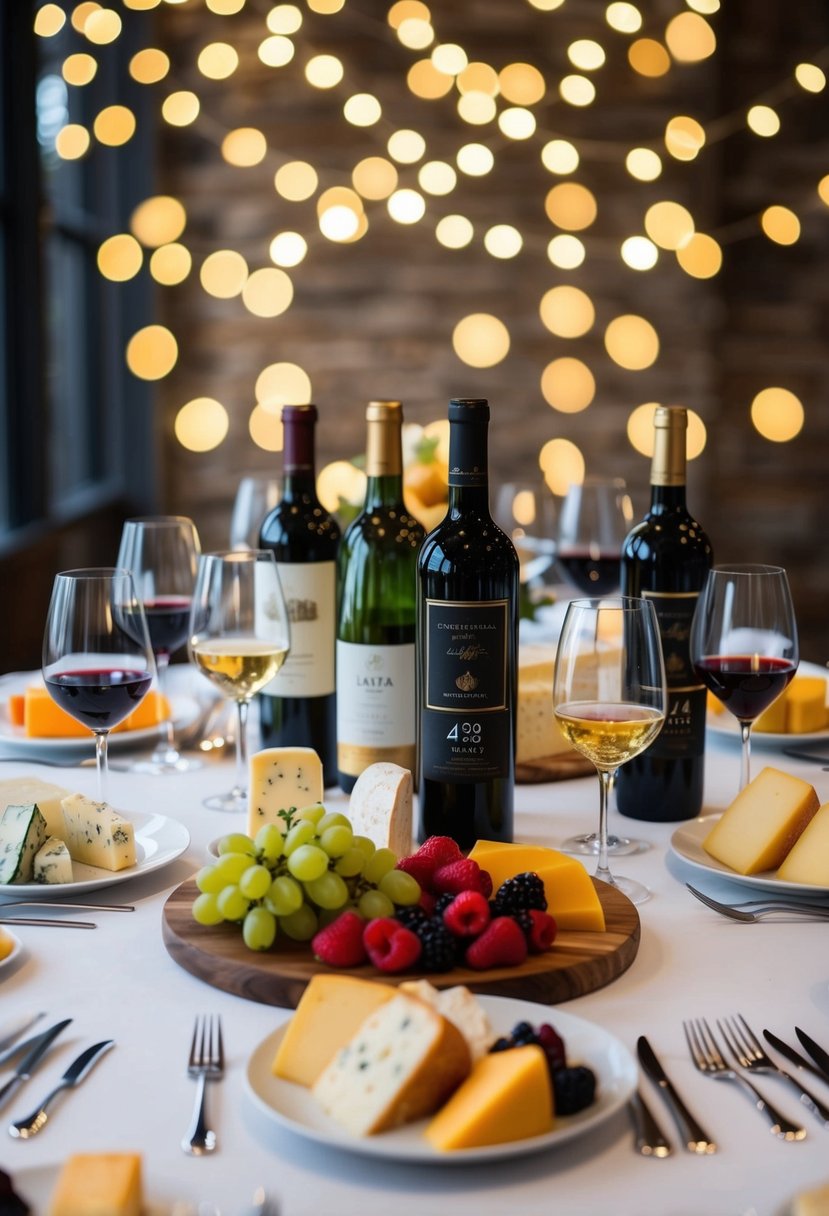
x=23 y=1129
x=820 y=1057
x=696 y=1140
x=650 y=1140
x=37 y=1047
x=794 y=1057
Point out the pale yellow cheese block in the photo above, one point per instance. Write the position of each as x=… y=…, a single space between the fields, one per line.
x=23 y=791
x=571 y=896
x=801 y=708
x=99 y=1184
x=538 y=733
x=536 y=662
x=762 y=823
x=506 y=1097
x=808 y=859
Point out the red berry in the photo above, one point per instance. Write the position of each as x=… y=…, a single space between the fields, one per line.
x=543 y=932
x=427 y=902
x=340 y=944
x=502 y=944
x=467 y=915
x=390 y=945
x=420 y=868
x=553 y=1045
x=463 y=875
x=439 y=851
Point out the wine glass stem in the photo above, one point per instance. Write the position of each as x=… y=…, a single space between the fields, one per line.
x=745 y=764
x=605 y=786
x=241 y=748
x=168 y=745
x=101 y=766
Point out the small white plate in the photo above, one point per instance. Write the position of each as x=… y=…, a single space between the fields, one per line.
x=686 y=843
x=294 y=1107
x=158 y=841
x=17 y=946
x=726 y=726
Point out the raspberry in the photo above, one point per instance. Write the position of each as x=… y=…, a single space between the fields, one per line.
x=390 y=945
x=574 y=1089
x=467 y=914
x=523 y=891
x=463 y=875
x=438 y=946
x=553 y=1046
x=502 y=944
x=420 y=868
x=440 y=851
x=427 y=902
x=340 y=944
x=539 y=929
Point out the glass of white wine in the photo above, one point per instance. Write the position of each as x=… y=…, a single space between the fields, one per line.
x=609 y=695
x=239 y=639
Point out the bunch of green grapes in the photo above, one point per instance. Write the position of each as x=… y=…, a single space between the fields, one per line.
x=299 y=879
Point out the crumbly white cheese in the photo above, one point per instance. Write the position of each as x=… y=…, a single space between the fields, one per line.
x=381 y=807
x=460 y=1006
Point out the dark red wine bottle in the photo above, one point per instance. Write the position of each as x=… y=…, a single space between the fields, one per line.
x=299 y=707
x=467 y=651
x=666 y=559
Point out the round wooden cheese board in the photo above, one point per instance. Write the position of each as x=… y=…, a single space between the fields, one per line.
x=579 y=962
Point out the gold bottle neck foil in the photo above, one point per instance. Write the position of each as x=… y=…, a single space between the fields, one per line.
x=384 y=457
x=669 y=447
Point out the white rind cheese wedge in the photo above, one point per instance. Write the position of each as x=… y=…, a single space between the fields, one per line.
x=281 y=778
x=22 y=832
x=97 y=835
x=461 y=1008
x=52 y=862
x=23 y=791
x=808 y=860
x=762 y=823
x=381 y=807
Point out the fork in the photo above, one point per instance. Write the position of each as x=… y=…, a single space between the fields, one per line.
x=762 y=908
x=708 y=1059
x=751 y=1055
x=206 y=1062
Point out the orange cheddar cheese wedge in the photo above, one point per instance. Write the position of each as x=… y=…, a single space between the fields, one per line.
x=43 y=719
x=571 y=896
x=506 y=1097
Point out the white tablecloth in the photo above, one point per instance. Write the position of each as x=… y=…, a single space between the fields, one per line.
x=120 y=982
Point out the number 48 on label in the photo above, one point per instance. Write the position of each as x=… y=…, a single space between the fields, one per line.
x=465 y=732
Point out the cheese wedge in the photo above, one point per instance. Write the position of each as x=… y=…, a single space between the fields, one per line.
x=762 y=823
x=44 y=719
x=330 y=1012
x=799 y=709
x=507 y=1097
x=18 y=791
x=571 y=896
x=96 y=834
x=808 y=859
x=22 y=832
x=459 y=1006
x=281 y=778
x=52 y=862
x=381 y=807
x=99 y=1184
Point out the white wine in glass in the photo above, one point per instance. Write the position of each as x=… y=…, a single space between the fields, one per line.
x=239 y=639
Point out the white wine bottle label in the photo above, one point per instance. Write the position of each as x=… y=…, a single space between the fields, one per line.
x=310 y=595
x=684 y=731
x=466 y=732
x=375 y=705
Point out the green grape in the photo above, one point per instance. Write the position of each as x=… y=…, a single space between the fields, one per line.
x=366 y=846
x=259 y=929
x=206 y=909
x=269 y=842
x=255 y=882
x=284 y=897
x=328 y=891
x=232 y=903
x=300 y=925
x=232 y=866
x=236 y=842
x=350 y=864
x=374 y=903
x=332 y=819
x=299 y=834
x=307 y=862
x=336 y=840
x=314 y=812
x=380 y=862
x=208 y=881
x=400 y=887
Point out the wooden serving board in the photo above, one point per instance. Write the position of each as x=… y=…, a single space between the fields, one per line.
x=563 y=767
x=578 y=963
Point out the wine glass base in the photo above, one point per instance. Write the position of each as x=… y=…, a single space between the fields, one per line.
x=235 y=801
x=636 y=892
x=587 y=845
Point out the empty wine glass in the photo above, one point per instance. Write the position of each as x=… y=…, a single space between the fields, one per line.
x=239 y=639
x=526 y=511
x=162 y=552
x=744 y=644
x=595 y=518
x=256 y=497
x=97 y=659
x=609 y=695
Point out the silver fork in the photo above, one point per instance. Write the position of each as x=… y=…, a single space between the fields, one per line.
x=708 y=1059
x=206 y=1062
x=751 y=1055
x=763 y=908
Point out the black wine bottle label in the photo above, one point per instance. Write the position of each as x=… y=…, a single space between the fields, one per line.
x=465 y=723
x=684 y=731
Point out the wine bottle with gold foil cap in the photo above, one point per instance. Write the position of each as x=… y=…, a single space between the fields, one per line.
x=377 y=567
x=666 y=559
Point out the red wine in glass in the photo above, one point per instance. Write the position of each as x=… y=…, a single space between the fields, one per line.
x=99 y=699
x=592 y=572
x=168 y=621
x=746 y=684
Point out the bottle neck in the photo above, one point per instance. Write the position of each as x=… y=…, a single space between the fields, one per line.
x=667 y=498
x=384 y=458
x=298 y=463
x=468 y=466
x=669 y=460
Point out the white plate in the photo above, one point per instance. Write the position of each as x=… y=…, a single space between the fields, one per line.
x=14 y=740
x=687 y=840
x=17 y=946
x=293 y=1106
x=158 y=841
x=726 y=726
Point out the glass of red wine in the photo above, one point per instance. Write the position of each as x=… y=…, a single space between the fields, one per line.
x=162 y=553
x=744 y=642
x=97 y=659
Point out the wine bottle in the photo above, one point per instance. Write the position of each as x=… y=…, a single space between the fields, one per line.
x=377 y=608
x=467 y=651
x=666 y=558
x=298 y=707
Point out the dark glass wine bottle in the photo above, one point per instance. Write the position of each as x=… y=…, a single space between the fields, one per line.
x=666 y=559
x=298 y=708
x=467 y=651
x=377 y=608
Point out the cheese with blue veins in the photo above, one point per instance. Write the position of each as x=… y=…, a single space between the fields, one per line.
x=52 y=862
x=96 y=834
x=22 y=832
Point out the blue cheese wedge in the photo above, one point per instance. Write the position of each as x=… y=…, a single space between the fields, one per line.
x=52 y=862
x=23 y=791
x=281 y=778
x=96 y=834
x=22 y=832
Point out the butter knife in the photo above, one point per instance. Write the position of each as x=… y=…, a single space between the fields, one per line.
x=794 y=1057
x=820 y=1057
x=695 y=1138
x=17 y=1029
x=23 y=1129
x=650 y=1140
x=37 y=1048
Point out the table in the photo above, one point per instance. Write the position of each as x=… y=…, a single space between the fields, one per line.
x=120 y=982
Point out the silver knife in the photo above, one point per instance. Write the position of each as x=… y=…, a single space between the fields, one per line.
x=75 y=1073
x=815 y=1105
x=37 y=1047
x=650 y=1140
x=794 y=1057
x=695 y=1138
x=820 y=1057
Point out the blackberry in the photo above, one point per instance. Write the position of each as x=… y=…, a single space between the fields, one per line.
x=574 y=1089
x=442 y=903
x=439 y=946
x=411 y=916
x=524 y=920
x=523 y=891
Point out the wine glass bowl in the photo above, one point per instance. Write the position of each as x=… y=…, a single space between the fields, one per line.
x=526 y=511
x=256 y=497
x=595 y=518
x=744 y=644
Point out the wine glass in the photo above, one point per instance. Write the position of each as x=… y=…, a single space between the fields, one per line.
x=239 y=639
x=609 y=695
x=744 y=642
x=526 y=511
x=596 y=516
x=162 y=551
x=97 y=659
x=256 y=497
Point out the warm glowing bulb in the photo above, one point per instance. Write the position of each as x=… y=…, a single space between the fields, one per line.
x=477 y=108
x=480 y=78
x=217 y=61
x=586 y=54
x=640 y=431
x=810 y=77
x=265 y=429
x=701 y=258
x=180 y=108
x=362 y=110
x=281 y=384
x=777 y=414
x=690 y=38
x=567 y=312
x=49 y=20
x=114 y=126
x=449 y=58
x=568 y=385
x=296 y=181
x=267 y=292
x=577 y=90
x=649 y=57
x=669 y=225
x=276 y=51
x=406 y=147
x=562 y=464
x=780 y=225
x=521 y=84
x=288 y=249
x=120 y=258
x=284 y=19
x=475 y=160
x=102 y=27
x=375 y=177
x=454 y=231
x=81 y=14
x=201 y=424
x=244 y=147
x=158 y=220
x=149 y=66
x=481 y=340
x=437 y=177
x=407 y=9
x=503 y=241
x=639 y=253
x=416 y=33
x=684 y=137
x=406 y=206
x=763 y=120
x=560 y=156
x=425 y=81
x=624 y=18
x=340 y=482
x=823 y=189
x=223 y=274
x=644 y=164
x=72 y=141
x=324 y=71
x=517 y=123
x=79 y=69
x=170 y=264
x=632 y=342
x=571 y=206
x=152 y=353
x=565 y=251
